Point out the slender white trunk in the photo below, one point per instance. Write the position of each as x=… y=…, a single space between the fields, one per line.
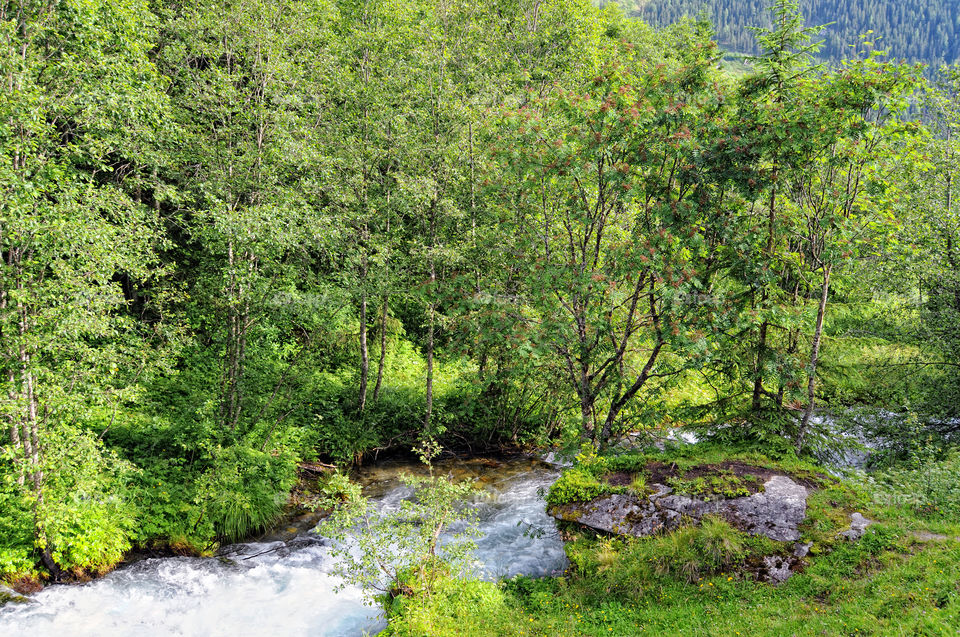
x=814 y=358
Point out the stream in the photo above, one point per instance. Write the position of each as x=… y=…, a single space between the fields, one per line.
x=284 y=587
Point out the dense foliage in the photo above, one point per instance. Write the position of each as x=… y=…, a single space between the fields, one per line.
x=240 y=236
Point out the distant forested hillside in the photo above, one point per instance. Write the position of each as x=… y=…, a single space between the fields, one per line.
x=919 y=30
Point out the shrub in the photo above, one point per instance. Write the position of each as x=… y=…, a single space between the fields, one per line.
x=171 y=513
x=16 y=528
x=931 y=490
x=399 y=552
x=452 y=608
x=88 y=513
x=245 y=490
x=576 y=485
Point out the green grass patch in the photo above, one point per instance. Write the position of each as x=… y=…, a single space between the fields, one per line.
x=874 y=587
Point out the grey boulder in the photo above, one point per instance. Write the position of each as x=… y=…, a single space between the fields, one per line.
x=858 y=526
x=10 y=596
x=776 y=512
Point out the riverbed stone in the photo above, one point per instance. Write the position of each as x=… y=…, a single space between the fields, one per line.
x=10 y=596
x=776 y=512
x=802 y=549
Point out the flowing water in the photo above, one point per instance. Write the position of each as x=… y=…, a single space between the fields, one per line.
x=285 y=588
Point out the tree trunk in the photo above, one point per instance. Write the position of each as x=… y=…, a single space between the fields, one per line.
x=429 y=411
x=758 y=368
x=230 y=357
x=12 y=396
x=26 y=435
x=432 y=312
x=814 y=357
x=793 y=343
x=623 y=399
x=238 y=314
x=762 y=344
x=32 y=448
x=383 y=347
x=40 y=532
x=586 y=427
x=15 y=427
x=364 y=353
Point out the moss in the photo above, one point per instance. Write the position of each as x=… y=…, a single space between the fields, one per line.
x=722 y=485
x=712 y=473
x=8 y=596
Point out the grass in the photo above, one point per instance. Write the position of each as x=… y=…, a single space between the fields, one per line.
x=864 y=589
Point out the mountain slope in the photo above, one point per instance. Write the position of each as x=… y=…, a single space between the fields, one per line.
x=918 y=30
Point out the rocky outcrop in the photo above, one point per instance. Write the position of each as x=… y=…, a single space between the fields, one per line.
x=778 y=569
x=776 y=512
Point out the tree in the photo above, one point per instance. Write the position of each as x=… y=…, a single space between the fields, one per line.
x=840 y=194
x=940 y=237
x=375 y=45
x=919 y=263
x=599 y=200
x=246 y=84
x=770 y=128
x=80 y=100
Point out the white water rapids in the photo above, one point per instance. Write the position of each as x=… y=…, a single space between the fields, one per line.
x=276 y=588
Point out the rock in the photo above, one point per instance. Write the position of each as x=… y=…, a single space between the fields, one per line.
x=558 y=459
x=778 y=569
x=10 y=596
x=802 y=550
x=927 y=536
x=858 y=526
x=776 y=512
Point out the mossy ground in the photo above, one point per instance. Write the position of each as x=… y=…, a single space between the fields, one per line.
x=887 y=584
x=705 y=471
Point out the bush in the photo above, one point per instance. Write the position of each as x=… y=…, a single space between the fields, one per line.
x=582 y=482
x=452 y=609
x=171 y=514
x=88 y=513
x=16 y=528
x=400 y=552
x=245 y=490
x=576 y=485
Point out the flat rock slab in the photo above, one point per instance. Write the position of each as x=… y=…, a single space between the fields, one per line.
x=775 y=512
x=927 y=536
